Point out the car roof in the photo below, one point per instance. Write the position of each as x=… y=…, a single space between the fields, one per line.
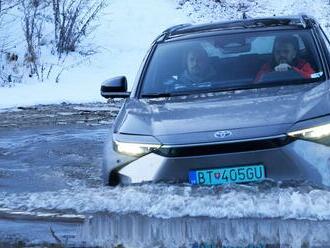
x=182 y=30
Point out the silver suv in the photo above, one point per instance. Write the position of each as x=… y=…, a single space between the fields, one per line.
x=233 y=102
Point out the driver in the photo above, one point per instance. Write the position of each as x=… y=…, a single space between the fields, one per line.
x=197 y=66
x=285 y=58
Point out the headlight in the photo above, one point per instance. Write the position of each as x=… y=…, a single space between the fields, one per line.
x=134 y=149
x=320 y=134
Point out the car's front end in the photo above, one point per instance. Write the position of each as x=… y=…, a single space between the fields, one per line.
x=170 y=139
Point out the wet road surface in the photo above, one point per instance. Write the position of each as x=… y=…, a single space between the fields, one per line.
x=48 y=149
x=51 y=193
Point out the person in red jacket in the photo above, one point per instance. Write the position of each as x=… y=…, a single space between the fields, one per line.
x=285 y=58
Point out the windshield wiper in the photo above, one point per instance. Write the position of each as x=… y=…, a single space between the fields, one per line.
x=152 y=95
x=185 y=93
x=155 y=95
x=230 y=88
x=259 y=86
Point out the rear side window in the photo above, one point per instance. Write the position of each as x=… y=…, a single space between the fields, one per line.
x=325 y=39
x=327 y=44
x=233 y=60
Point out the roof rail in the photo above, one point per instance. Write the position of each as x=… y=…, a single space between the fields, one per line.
x=167 y=32
x=301 y=20
x=170 y=30
x=306 y=20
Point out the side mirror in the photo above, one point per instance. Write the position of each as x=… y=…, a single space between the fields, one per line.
x=115 y=88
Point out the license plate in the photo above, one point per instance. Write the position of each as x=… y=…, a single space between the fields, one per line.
x=253 y=173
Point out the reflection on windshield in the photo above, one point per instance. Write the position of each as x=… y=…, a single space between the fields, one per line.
x=236 y=61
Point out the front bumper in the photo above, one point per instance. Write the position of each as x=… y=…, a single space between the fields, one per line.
x=298 y=160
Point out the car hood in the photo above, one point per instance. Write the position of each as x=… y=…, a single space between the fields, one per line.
x=246 y=113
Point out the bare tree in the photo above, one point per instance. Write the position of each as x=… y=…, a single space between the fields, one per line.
x=71 y=22
x=6 y=57
x=72 y=18
x=6 y=5
x=33 y=26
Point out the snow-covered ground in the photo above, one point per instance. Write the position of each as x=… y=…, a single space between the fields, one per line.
x=125 y=32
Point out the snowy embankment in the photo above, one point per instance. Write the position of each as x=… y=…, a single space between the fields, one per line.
x=125 y=32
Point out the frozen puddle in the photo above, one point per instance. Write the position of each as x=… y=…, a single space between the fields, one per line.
x=140 y=231
x=171 y=201
x=24 y=233
x=6 y=213
x=134 y=230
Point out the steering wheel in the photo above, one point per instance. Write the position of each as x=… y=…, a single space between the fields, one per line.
x=281 y=75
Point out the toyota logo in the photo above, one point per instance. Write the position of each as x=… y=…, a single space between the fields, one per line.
x=222 y=134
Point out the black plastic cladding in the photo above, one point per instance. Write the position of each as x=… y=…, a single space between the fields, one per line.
x=243 y=146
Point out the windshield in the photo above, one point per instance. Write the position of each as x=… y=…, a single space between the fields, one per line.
x=235 y=61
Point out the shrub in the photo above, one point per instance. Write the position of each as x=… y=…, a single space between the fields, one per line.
x=72 y=19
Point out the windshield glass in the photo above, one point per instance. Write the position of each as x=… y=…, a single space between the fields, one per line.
x=234 y=61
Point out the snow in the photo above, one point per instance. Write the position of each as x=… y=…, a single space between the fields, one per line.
x=209 y=11
x=125 y=32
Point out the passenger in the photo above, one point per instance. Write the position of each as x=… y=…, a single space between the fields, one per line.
x=285 y=58
x=197 y=66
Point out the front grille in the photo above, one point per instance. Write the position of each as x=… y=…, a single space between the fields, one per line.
x=241 y=146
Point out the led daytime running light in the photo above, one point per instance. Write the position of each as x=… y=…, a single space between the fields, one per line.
x=134 y=149
x=312 y=133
